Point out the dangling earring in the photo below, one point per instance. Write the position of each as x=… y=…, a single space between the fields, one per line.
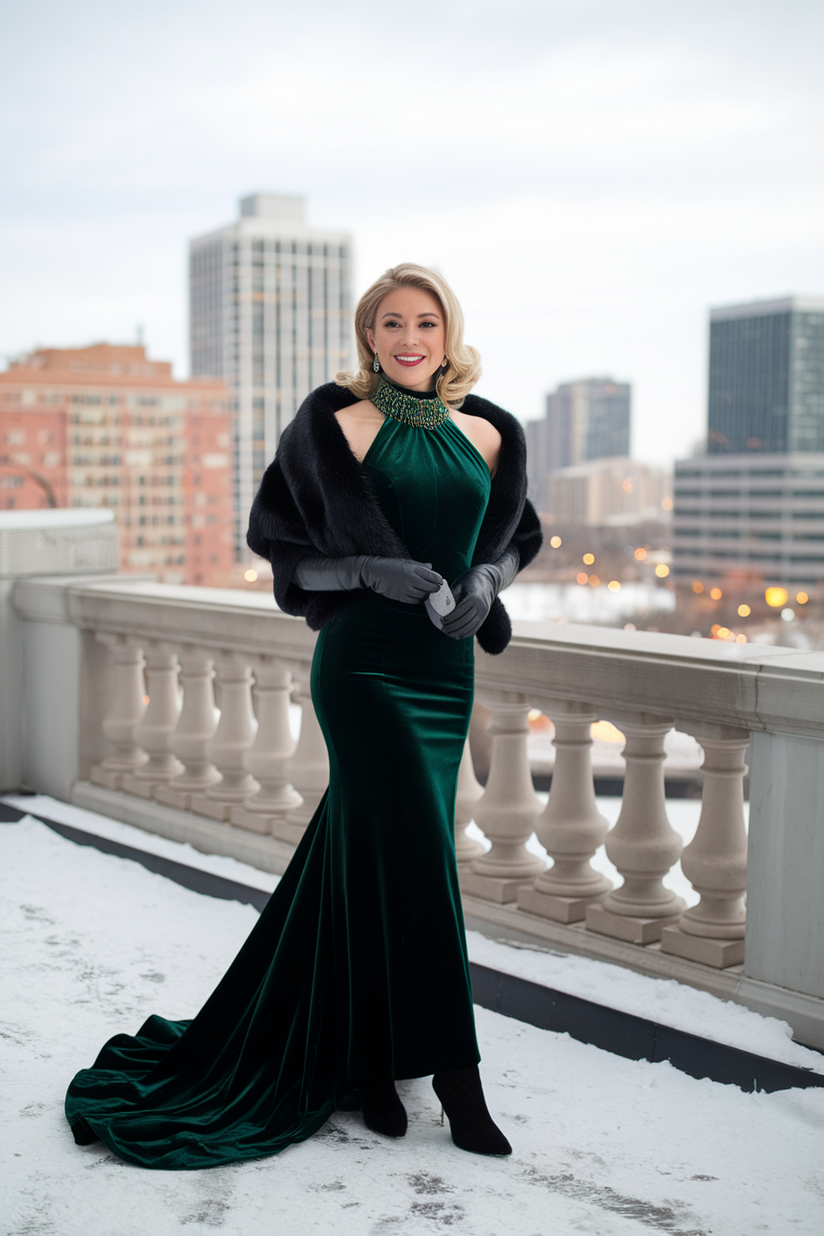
x=376 y=365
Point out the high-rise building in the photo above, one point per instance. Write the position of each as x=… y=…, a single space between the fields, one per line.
x=584 y=421
x=270 y=314
x=753 y=506
x=754 y=516
x=106 y=426
x=766 y=376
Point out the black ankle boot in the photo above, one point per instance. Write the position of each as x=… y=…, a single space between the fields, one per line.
x=463 y=1100
x=382 y=1110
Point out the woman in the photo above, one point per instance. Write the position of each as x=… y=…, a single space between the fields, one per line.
x=356 y=973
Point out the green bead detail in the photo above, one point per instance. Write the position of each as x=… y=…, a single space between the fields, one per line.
x=406 y=408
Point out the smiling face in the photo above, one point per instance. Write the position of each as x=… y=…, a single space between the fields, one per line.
x=409 y=337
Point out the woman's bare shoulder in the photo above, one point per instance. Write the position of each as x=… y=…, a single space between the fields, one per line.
x=479 y=425
x=364 y=409
x=360 y=423
x=482 y=434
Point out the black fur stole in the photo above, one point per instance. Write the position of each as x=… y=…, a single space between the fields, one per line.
x=315 y=500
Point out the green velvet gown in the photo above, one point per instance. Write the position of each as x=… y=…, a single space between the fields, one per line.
x=357 y=970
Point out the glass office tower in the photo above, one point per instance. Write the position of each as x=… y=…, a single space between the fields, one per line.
x=752 y=508
x=271 y=314
x=766 y=377
x=584 y=421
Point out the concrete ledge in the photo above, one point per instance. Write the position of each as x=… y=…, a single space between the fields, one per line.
x=208 y=836
x=493 y=888
x=805 y=1014
x=219 y=618
x=73 y=541
x=699 y=682
x=720 y=953
x=635 y=1038
x=627 y=927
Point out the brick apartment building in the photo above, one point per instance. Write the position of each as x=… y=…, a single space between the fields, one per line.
x=106 y=426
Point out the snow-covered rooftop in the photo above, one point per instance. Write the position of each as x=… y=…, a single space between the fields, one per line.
x=602 y=1145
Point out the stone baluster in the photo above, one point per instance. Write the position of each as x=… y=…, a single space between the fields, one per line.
x=715 y=861
x=642 y=845
x=469 y=794
x=264 y=811
x=508 y=809
x=308 y=768
x=159 y=720
x=197 y=724
x=233 y=737
x=125 y=715
x=570 y=828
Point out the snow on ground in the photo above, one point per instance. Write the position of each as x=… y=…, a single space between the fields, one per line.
x=605 y=1146
x=663 y=1000
x=139 y=839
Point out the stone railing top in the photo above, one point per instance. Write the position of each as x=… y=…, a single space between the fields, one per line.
x=222 y=618
x=702 y=685
x=57 y=517
x=69 y=541
x=698 y=682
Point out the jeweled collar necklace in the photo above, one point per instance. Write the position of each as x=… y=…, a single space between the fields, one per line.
x=423 y=409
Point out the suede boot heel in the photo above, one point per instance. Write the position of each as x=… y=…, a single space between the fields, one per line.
x=382 y=1109
x=472 y=1127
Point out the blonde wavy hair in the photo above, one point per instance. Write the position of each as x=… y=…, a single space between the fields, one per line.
x=464 y=363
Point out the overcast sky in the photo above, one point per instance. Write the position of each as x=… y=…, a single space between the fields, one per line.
x=591 y=175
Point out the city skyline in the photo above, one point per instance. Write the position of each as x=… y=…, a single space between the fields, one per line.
x=106 y=426
x=751 y=506
x=591 y=178
x=584 y=420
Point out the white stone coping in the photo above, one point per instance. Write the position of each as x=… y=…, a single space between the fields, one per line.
x=226 y=619
x=55 y=517
x=706 y=684
x=710 y=686
x=72 y=542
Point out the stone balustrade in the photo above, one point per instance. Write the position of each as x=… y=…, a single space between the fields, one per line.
x=187 y=694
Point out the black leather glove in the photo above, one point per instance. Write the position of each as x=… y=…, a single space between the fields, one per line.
x=400 y=579
x=474 y=592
